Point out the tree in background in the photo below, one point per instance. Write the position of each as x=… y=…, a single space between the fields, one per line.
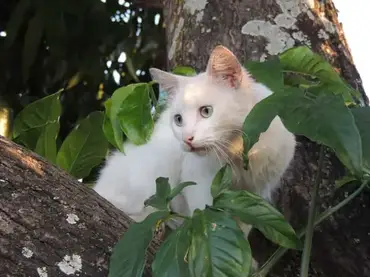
x=77 y=46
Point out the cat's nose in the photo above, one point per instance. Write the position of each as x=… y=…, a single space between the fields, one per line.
x=189 y=140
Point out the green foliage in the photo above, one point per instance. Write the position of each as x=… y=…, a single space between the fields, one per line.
x=218 y=246
x=184 y=70
x=362 y=119
x=164 y=193
x=170 y=259
x=128 y=258
x=129 y=111
x=84 y=148
x=222 y=181
x=254 y=210
x=37 y=126
x=302 y=60
x=323 y=118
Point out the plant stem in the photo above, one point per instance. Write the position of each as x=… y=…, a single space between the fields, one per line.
x=305 y=263
x=276 y=256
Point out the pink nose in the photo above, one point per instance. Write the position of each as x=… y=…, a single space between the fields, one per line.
x=189 y=140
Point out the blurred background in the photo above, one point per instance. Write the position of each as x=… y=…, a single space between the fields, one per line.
x=88 y=47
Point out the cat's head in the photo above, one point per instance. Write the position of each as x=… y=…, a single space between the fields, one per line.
x=208 y=109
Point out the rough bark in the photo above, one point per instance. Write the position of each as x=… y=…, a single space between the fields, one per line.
x=51 y=223
x=255 y=29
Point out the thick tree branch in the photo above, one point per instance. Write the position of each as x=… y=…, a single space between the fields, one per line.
x=51 y=222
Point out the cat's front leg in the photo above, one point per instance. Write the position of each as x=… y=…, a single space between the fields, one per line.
x=201 y=170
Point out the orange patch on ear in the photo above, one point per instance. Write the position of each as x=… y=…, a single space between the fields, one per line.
x=224 y=65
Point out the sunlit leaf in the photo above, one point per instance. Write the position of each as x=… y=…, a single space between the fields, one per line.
x=254 y=210
x=218 y=247
x=131 y=107
x=128 y=258
x=302 y=60
x=184 y=70
x=84 y=148
x=114 y=137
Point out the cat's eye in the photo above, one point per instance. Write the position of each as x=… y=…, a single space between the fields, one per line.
x=206 y=111
x=178 y=119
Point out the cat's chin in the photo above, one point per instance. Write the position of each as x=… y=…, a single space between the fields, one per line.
x=201 y=151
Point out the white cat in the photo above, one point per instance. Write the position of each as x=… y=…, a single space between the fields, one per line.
x=208 y=111
x=195 y=136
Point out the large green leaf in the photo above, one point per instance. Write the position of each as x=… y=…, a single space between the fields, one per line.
x=218 y=247
x=131 y=110
x=170 y=258
x=362 y=119
x=128 y=258
x=46 y=143
x=108 y=128
x=270 y=73
x=324 y=119
x=85 y=147
x=303 y=61
x=222 y=181
x=254 y=210
x=37 y=126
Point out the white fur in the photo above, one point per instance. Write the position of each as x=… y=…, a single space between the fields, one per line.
x=127 y=180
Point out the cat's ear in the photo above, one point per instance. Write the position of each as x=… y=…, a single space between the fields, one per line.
x=167 y=81
x=223 y=66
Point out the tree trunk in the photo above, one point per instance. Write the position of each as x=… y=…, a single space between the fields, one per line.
x=255 y=29
x=50 y=224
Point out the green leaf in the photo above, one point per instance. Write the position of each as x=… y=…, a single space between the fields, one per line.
x=176 y=190
x=108 y=128
x=302 y=60
x=32 y=42
x=37 y=126
x=131 y=110
x=85 y=147
x=128 y=258
x=362 y=119
x=222 y=181
x=345 y=180
x=171 y=256
x=269 y=73
x=254 y=210
x=324 y=119
x=16 y=20
x=218 y=247
x=46 y=143
x=184 y=70
x=160 y=199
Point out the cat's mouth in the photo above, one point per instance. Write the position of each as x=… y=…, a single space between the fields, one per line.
x=198 y=149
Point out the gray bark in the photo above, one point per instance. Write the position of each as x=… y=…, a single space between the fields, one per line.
x=48 y=218
x=254 y=29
